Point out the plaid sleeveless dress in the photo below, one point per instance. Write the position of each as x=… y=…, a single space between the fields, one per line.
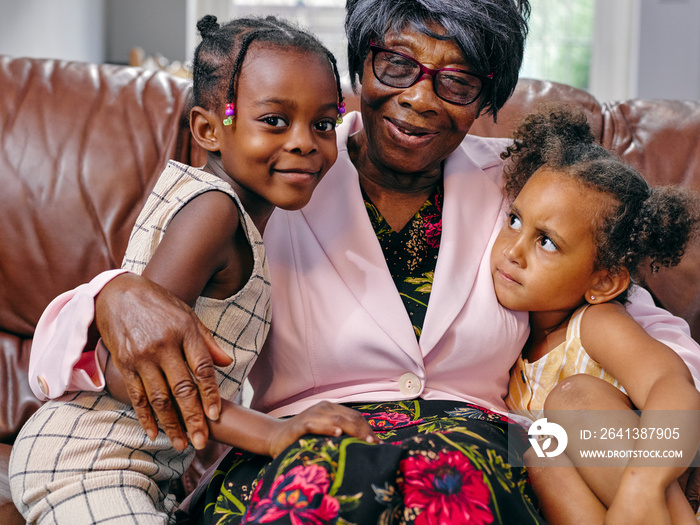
x=84 y=458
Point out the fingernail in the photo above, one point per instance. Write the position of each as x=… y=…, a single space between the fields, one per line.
x=152 y=434
x=213 y=413
x=199 y=441
x=179 y=444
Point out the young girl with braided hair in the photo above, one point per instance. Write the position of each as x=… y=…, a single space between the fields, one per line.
x=267 y=98
x=581 y=226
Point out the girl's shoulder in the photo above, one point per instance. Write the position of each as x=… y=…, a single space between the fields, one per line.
x=603 y=309
x=602 y=315
x=196 y=188
x=607 y=326
x=218 y=207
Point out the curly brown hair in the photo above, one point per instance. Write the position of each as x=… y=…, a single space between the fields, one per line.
x=642 y=225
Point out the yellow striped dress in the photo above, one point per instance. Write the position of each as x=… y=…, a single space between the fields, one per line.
x=531 y=383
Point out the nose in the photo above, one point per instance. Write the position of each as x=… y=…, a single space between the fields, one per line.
x=302 y=141
x=421 y=95
x=514 y=251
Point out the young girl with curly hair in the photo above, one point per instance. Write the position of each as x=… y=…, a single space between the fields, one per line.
x=581 y=226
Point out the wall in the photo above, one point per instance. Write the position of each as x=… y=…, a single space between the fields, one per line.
x=657 y=46
x=64 y=29
x=669 y=50
x=157 y=26
x=93 y=30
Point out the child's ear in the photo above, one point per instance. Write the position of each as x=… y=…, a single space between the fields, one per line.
x=607 y=285
x=204 y=126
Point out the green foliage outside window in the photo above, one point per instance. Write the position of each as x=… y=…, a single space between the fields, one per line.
x=559 y=45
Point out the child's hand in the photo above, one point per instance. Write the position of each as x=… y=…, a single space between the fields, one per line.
x=324 y=418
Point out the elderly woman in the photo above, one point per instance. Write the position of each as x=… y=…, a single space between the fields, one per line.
x=382 y=297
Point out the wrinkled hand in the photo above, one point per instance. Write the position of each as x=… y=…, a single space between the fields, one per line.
x=326 y=419
x=166 y=357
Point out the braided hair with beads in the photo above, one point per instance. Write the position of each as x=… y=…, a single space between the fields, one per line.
x=219 y=56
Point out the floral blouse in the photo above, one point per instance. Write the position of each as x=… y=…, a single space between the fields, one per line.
x=411 y=254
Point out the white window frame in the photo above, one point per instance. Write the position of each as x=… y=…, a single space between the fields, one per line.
x=615 y=54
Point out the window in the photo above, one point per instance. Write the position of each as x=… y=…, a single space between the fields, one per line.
x=560 y=43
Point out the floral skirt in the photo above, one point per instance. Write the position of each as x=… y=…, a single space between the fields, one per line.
x=441 y=462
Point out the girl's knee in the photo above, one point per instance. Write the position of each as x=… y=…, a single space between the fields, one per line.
x=584 y=392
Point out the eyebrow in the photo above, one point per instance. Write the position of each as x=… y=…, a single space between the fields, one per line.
x=288 y=101
x=274 y=101
x=558 y=239
x=410 y=45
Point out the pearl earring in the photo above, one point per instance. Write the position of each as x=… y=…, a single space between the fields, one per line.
x=592 y=297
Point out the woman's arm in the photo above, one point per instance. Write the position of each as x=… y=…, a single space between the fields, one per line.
x=259 y=433
x=147 y=333
x=149 y=328
x=63 y=356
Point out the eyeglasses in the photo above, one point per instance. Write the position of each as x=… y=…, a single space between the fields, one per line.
x=397 y=70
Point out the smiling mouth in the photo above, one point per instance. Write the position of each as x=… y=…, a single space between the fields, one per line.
x=408 y=129
x=299 y=176
x=411 y=135
x=300 y=171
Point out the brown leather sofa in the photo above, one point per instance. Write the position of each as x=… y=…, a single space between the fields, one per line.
x=81 y=146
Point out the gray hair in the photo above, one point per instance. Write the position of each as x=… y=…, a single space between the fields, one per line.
x=490 y=33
